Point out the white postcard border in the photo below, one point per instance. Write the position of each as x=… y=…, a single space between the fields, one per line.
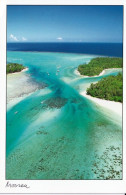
x=55 y=186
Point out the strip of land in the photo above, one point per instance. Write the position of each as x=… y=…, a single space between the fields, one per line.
x=102 y=73
x=24 y=70
x=97 y=65
x=108 y=92
x=15 y=67
x=108 y=88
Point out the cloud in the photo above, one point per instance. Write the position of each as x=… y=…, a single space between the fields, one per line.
x=59 y=38
x=13 y=38
x=24 y=39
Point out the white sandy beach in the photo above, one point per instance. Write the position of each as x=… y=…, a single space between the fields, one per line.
x=115 y=107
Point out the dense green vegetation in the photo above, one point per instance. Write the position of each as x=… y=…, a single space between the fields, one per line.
x=97 y=65
x=109 y=88
x=14 y=67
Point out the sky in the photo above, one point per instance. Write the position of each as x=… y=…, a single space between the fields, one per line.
x=64 y=23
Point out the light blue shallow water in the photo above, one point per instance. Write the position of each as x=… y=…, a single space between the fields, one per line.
x=57 y=133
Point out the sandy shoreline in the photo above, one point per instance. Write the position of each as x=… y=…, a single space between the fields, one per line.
x=116 y=107
x=24 y=70
x=84 y=76
x=102 y=73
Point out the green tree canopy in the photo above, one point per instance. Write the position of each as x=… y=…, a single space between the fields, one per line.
x=97 y=65
x=109 y=88
x=14 y=67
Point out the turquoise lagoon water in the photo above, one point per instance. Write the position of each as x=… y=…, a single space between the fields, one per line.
x=56 y=133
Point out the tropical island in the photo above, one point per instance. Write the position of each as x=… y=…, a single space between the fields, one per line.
x=109 y=88
x=97 y=65
x=14 y=67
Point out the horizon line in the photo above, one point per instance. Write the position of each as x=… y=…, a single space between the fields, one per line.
x=60 y=42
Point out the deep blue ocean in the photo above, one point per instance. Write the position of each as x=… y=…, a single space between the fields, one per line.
x=106 y=49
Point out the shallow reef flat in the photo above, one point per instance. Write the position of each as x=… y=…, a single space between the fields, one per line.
x=54 y=132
